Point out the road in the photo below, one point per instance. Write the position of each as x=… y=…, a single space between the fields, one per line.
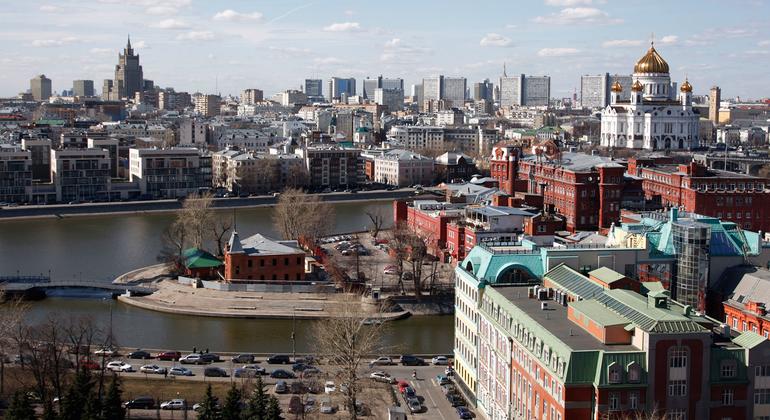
x=426 y=385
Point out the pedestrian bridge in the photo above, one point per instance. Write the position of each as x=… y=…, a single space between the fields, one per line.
x=22 y=284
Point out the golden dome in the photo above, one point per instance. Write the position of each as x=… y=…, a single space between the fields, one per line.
x=616 y=87
x=637 y=87
x=686 y=86
x=652 y=62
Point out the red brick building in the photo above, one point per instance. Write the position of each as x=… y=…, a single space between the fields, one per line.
x=260 y=258
x=739 y=198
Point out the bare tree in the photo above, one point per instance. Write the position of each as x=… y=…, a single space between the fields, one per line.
x=301 y=215
x=346 y=340
x=297 y=176
x=174 y=241
x=12 y=312
x=196 y=216
x=220 y=226
x=378 y=220
x=410 y=252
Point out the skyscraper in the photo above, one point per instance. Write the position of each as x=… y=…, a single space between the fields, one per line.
x=483 y=91
x=339 y=86
x=40 y=87
x=454 y=90
x=715 y=97
x=511 y=90
x=313 y=87
x=537 y=90
x=370 y=85
x=83 y=88
x=128 y=74
x=251 y=96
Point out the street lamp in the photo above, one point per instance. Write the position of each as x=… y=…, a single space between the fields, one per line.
x=294 y=334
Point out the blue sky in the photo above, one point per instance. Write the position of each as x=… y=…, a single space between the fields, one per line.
x=199 y=45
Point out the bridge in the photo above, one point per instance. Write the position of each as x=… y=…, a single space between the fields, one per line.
x=24 y=284
x=749 y=165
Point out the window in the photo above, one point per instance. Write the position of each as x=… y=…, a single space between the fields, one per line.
x=762 y=396
x=727 y=368
x=285 y=261
x=634 y=372
x=614 y=374
x=261 y=262
x=614 y=401
x=677 y=414
x=677 y=388
x=678 y=357
x=250 y=263
x=275 y=262
x=633 y=400
x=727 y=396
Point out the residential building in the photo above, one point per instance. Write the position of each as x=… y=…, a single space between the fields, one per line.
x=174 y=101
x=81 y=175
x=246 y=139
x=653 y=118
x=40 y=86
x=170 y=173
x=83 y=88
x=206 y=105
x=15 y=175
x=243 y=171
x=742 y=296
x=403 y=168
x=40 y=154
x=715 y=101
x=251 y=96
x=259 y=258
x=454 y=165
x=291 y=97
x=112 y=146
x=332 y=166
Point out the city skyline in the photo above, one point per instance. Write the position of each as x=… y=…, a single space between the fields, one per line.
x=223 y=47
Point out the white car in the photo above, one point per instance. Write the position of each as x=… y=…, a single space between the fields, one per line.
x=380 y=376
x=106 y=351
x=329 y=387
x=180 y=371
x=192 y=359
x=160 y=370
x=175 y=404
x=440 y=360
x=327 y=407
x=119 y=366
x=381 y=361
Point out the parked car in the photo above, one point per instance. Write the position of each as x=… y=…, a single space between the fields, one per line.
x=169 y=355
x=192 y=359
x=282 y=374
x=402 y=386
x=106 y=351
x=442 y=380
x=175 y=404
x=310 y=372
x=456 y=400
x=215 y=372
x=243 y=358
x=142 y=403
x=210 y=358
x=409 y=392
x=391 y=269
x=381 y=361
x=90 y=364
x=280 y=387
x=299 y=388
x=409 y=360
x=327 y=407
x=329 y=387
x=119 y=366
x=139 y=354
x=382 y=377
x=259 y=370
x=160 y=370
x=279 y=359
x=295 y=405
x=300 y=367
x=464 y=413
x=180 y=371
x=414 y=405
x=244 y=373
x=440 y=361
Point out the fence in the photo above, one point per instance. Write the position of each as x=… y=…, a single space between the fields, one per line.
x=277 y=287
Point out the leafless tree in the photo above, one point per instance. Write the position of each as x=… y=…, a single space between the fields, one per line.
x=301 y=215
x=196 y=216
x=12 y=313
x=346 y=340
x=174 y=242
x=297 y=176
x=410 y=252
x=377 y=221
x=654 y=414
x=220 y=226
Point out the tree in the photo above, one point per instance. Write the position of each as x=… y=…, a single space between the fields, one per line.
x=208 y=407
x=257 y=404
x=273 y=411
x=345 y=341
x=231 y=409
x=196 y=217
x=174 y=240
x=378 y=220
x=410 y=252
x=21 y=407
x=113 y=407
x=11 y=314
x=77 y=403
x=219 y=229
x=299 y=215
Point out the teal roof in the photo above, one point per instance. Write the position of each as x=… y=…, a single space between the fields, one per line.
x=624 y=360
x=198 y=258
x=734 y=355
x=749 y=339
x=489 y=266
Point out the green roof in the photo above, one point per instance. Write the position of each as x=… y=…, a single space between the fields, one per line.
x=624 y=359
x=652 y=287
x=598 y=313
x=198 y=258
x=490 y=266
x=749 y=339
x=606 y=275
x=722 y=354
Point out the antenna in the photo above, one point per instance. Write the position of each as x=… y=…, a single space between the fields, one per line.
x=235 y=222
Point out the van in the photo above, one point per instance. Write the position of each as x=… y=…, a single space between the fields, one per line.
x=144 y=402
x=279 y=359
x=215 y=372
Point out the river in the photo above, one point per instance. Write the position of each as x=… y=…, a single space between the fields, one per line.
x=100 y=248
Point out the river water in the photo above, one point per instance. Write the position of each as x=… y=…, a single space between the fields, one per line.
x=100 y=248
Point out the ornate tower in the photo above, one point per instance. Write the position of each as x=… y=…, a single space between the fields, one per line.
x=128 y=73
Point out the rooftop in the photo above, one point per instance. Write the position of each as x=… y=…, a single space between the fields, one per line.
x=578 y=162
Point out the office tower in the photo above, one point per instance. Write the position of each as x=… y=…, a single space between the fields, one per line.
x=40 y=87
x=511 y=90
x=483 y=91
x=107 y=89
x=370 y=85
x=417 y=93
x=594 y=91
x=313 y=87
x=397 y=83
x=454 y=91
x=715 y=97
x=537 y=90
x=339 y=87
x=431 y=88
x=83 y=88
x=129 y=78
x=626 y=81
x=251 y=96
x=392 y=98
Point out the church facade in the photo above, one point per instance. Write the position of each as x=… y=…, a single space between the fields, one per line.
x=654 y=118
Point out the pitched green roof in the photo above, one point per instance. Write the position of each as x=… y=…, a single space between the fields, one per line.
x=606 y=275
x=598 y=313
x=749 y=339
x=198 y=258
x=722 y=354
x=624 y=359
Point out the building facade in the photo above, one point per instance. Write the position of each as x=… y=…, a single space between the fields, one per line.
x=129 y=78
x=403 y=168
x=251 y=96
x=15 y=175
x=332 y=166
x=170 y=173
x=81 y=175
x=83 y=88
x=40 y=86
x=259 y=258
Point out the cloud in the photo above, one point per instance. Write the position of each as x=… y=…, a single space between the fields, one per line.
x=230 y=15
x=139 y=45
x=495 y=40
x=669 y=40
x=622 y=43
x=764 y=43
x=567 y=3
x=396 y=50
x=578 y=16
x=100 y=51
x=557 y=52
x=43 y=43
x=328 y=61
x=511 y=26
x=349 y=12
x=47 y=8
x=196 y=36
x=343 y=27
x=291 y=51
x=154 y=7
x=171 y=24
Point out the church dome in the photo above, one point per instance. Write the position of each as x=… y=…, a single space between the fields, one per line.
x=616 y=87
x=637 y=87
x=686 y=86
x=651 y=62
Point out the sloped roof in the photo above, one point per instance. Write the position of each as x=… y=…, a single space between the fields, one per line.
x=606 y=275
x=259 y=244
x=198 y=258
x=749 y=339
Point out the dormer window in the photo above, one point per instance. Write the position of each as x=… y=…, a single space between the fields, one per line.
x=634 y=372
x=614 y=373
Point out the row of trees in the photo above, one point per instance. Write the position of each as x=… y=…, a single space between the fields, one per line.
x=236 y=406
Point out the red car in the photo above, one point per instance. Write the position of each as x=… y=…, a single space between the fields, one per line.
x=402 y=386
x=169 y=355
x=90 y=364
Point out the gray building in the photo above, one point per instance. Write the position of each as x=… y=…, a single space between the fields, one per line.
x=483 y=91
x=521 y=90
x=595 y=89
x=314 y=88
x=392 y=98
x=169 y=173
x=83 y=88
x=40 y=155
x=129 y=78
x=15 y=175
x=511 y=89
x=339 y=87
x=81 y=174
x=454 y=91
x=371 y=85
x=40 y=87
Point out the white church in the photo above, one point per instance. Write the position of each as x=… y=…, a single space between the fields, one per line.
x=653 y=119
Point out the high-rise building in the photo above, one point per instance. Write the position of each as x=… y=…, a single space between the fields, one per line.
x=483 y=91
x=537 y=90
x=392 y=98
x=432 y=88
x=251 y=96
x=454 y=91
x=313 y=87
x=40 y=87
x=370 y=85
x=129 y=78
x=511 y=90
x=397 y=83
x=207 y=105
x=715 y=97
x=83 y=88
x=108 y=90
x=339 y=87
x=595 y=89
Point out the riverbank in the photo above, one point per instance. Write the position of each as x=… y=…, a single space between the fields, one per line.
x=170 y=206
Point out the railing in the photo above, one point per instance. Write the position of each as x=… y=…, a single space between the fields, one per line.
x=25 y=279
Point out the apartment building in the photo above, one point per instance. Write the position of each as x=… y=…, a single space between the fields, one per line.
x=170 y=173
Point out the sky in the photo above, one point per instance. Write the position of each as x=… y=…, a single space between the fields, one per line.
x=225 y=46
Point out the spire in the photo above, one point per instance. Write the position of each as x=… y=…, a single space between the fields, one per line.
x=129 y=50
x=234 y=244
x=504 y=73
